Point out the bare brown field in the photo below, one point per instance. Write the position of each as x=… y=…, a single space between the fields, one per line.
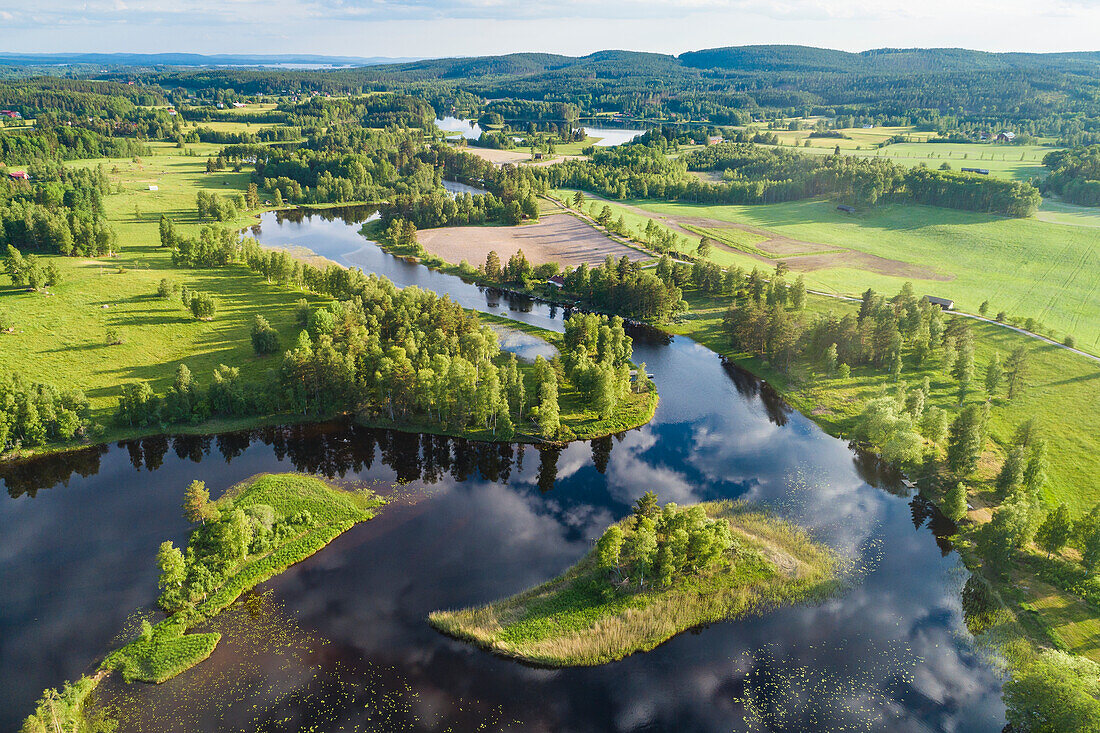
x=516 y=157
x=554 y=238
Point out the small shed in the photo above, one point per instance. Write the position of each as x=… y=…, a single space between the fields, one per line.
x=557 y=281
x=944 y=303
x=154 y=188
x=846 y=209
x=538 y=156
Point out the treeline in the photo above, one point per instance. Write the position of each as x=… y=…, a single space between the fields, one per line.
x=512 y=193
x=623 y=287
x=60 y=142
x=59 y=211
x=34 y=413
x=764 y=175
x=401 y=355
x=372 y=110
x=344 y=164
x=1074 y=174
x=223 y=137
x=527 y=110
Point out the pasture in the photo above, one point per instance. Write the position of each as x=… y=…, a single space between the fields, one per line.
x=1012 y=162
x=1026 y=267
x=61 y=337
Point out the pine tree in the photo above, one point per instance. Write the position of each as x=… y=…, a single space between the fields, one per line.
x=994 y=372
x=196 y=500
x=964 y=445
x=954 y=503
x=1011 y=475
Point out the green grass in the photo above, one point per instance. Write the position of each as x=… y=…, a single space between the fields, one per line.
x=582 y=619
x=1059 y=212
x=165 y=655
x=170 y=650
x=1012 y=162
x=62 y=337
x=1026 y=267
x=1063 y=393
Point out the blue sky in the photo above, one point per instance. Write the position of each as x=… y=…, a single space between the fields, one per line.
x=475 y=27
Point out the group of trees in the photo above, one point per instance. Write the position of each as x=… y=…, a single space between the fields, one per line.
x=753 y=174
x=219 y=208
x=663 y=543
x=214 y=247
x=33 y=413
x=1074 y=174
x=29 y=271
x=220 y=542
x=59 y=211
x=406 y=355
x=596 y=358
x=623 y=287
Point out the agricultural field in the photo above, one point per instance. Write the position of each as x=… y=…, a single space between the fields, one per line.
x=1013 y=162
x=1026 y=267
x=558 y=238
x=64 y=333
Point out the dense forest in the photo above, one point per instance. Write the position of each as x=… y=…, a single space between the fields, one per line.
x=935 y=89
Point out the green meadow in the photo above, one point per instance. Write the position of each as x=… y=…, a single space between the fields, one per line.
x=61 y=337
x=1025 y=267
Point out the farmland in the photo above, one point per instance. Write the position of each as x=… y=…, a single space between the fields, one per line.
x=1027 y=268
x=558 y=238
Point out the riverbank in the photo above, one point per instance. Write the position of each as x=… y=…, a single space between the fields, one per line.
x=288 y=517
x=590 y=615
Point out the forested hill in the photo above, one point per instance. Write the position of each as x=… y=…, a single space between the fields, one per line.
x=883 y=60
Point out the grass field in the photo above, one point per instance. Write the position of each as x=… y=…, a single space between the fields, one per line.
x=581 y=618
x=61 y=338
x=1013 y=162
x=1025 y=267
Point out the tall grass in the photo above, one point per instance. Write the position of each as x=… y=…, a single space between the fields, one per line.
x=582 y=619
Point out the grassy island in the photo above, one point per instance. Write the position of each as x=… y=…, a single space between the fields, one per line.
x=253 y=532
x=651 y=576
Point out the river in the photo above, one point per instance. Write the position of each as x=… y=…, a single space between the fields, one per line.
x=340 y=641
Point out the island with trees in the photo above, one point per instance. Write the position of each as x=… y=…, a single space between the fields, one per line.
x=254 y=531
x=659 y=572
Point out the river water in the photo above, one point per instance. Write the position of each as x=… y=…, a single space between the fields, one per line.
x=340 y=641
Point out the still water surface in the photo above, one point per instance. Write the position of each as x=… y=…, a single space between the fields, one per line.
x=340 y=641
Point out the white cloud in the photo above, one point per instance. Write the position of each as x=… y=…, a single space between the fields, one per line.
x=471 y=27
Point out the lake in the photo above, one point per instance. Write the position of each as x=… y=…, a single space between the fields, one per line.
x=341 y=642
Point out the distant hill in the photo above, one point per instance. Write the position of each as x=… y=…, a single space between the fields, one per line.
x=880 y=60
x=191 y=59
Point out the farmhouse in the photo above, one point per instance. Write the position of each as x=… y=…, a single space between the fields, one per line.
x=943 y=303
x=1004 y=136
x=556 y=281
x=10 y=113
x=714 y=139
x=19 y=176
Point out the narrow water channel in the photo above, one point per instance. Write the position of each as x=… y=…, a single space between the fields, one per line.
x=340 y=641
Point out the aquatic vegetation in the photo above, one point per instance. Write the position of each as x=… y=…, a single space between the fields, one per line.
x=253 y=532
